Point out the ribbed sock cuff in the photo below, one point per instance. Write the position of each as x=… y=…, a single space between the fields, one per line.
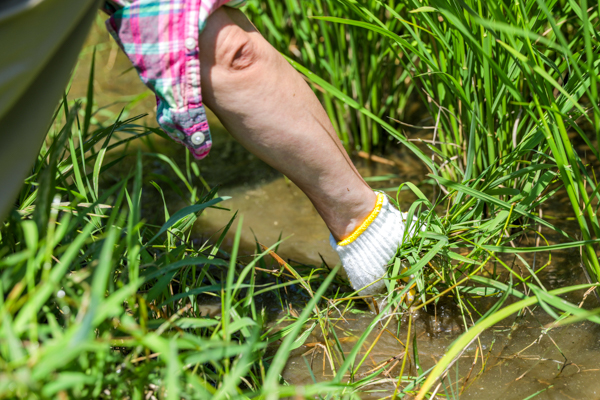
x=365 y=258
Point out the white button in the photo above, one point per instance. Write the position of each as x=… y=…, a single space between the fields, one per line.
x=190 y=43
x=198 y=138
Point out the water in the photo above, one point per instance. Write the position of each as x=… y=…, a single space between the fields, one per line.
x=521 y=358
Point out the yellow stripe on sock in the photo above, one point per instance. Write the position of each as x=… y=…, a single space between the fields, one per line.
x=363 y=227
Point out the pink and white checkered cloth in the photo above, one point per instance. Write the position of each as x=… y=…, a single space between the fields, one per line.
x=160 y=37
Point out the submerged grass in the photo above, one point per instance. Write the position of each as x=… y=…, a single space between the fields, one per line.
x=97 y=302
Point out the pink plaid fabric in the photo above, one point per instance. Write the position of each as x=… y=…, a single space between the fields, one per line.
x=160 y=37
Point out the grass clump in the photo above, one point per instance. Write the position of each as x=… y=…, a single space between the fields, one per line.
x=511 y=90
x=506 y=84
x=96 y=302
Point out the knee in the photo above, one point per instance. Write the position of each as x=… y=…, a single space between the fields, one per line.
x=238 y=50
x=231 y=43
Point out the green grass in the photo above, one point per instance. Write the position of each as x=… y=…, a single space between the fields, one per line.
x=100 y=297
x=512 y=92
x=97 y=303
x=504 y=83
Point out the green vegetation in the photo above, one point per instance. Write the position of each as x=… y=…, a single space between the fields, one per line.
x=504 y=83
x=98 y=302
x=511 y=87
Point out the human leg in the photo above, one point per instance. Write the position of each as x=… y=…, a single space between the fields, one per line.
x=267 y=106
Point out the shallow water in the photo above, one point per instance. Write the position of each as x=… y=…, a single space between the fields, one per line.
x=521 y=358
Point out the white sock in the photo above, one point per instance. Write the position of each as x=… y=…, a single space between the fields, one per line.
x=367 y=252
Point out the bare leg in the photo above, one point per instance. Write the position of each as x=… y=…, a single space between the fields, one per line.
x=266 y=105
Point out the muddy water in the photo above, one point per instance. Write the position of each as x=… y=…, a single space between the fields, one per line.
x=514 y=360
x=519 y=358
x=274 y=208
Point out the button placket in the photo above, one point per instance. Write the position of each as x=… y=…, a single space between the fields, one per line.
x=192 y=64
x=190 y=43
